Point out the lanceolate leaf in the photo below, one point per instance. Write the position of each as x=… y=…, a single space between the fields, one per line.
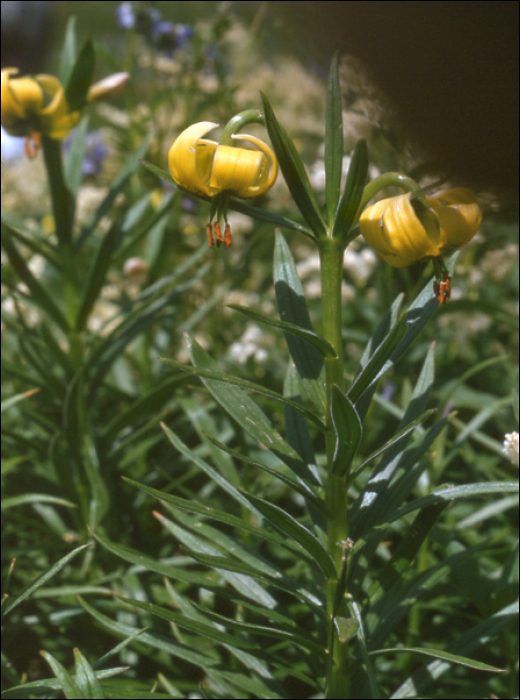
x=235 y=204
x=96 y=274
x=353 y=191
x=296 y=428
x=296 y=531
x=322 y=345
x=293 y=309
x=348 y=430
x=246 y=412
x=283 y=634
x=39 y=295
x=293 y=171
x=298 y=486
x=282 y=582
x=443 y=655
x=333 y=141
x=81 y=77
x=219 y=515
x=380 y=356
x=244 y=384
x=212 y=473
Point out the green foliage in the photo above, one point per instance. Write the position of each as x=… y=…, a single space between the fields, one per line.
x=333 y=521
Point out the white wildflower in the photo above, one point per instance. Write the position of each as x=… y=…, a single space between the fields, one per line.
x=511 y=447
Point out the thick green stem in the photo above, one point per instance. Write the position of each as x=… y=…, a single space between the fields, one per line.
x=63 y=210
x=331 y=254
x=62 y=202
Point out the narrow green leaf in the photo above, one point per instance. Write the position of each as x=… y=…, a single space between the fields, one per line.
x=405 y=553
x=333 y=141
x=115 y=189
x=348 y=429
x=293 y=171
x=246 y=412
x=454 y=493
x=296 y=428
x=80 y=80
x=33 y=586
x=254 y=686
x=243 y=384
x=68 y=686
x=85 y=677
x=111 y=346
x=249 y=628
x=142 y=407
x=162 y=174
x=475 y=637
x=39 y=295
x=33 y=352
x=192 y=506
x=322 y=345
x=13 y=400
x=293 y=309
x=176 y=573
x=269 y=217
x=68 y=52
x=371 y=370
x=348 y=208
x=297 y=486
x=418 y=315
x=234 y=204
x=444 y=656
x=34 y=240
x=60 y=357
x=297 y=532
x=26 y=498
x=96 y=274
x=189 y=624
x=212 y=473
x=393 y=440
x=74 y=157
x=204 y=539
x=167 y=645
x=279 y=581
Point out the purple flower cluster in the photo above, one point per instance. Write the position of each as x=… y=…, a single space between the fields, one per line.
x=147 y=20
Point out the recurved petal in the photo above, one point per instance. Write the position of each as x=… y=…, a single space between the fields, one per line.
x=382 y=225
x=459 y=215
x=55 y=119
x=20 y=97
x=190 y=158
x=268 y=171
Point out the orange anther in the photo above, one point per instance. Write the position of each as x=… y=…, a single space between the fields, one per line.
x=443 y=289
x=218 y=235
x=209 y=233
x=227 y=235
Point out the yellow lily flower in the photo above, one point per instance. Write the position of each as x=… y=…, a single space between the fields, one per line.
x=35 y=105
x=393 y=229
x=210 y=169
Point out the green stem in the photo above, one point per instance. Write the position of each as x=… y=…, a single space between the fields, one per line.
x=63 y=211
x=331 y=255
x=249 y=116
x=392 y=180
x=62 y=202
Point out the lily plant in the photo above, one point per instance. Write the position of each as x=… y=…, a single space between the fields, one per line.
x=415 y=226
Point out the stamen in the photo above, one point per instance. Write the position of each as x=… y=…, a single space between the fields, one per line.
x=218 y=235
x=32 y=145
x=227 y=235
x=209 y=233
